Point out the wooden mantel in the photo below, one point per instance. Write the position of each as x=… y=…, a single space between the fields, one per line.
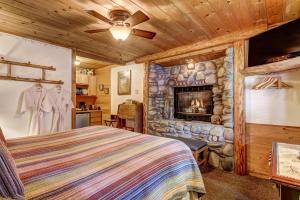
x=281 y=66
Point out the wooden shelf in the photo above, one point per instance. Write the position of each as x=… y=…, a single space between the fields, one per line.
x=82 y=85
x=35 y=80
x=10 y=64
x=89 y=100
x=276 y=67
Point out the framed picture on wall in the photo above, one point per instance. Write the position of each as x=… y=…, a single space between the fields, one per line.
x=124 y=82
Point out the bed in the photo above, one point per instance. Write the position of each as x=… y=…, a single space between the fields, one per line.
x=105 y=163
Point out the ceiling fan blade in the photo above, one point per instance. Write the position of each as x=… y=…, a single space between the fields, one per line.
x=98 y=16
x=96 y=30
x=137 y=18
x=142 y=33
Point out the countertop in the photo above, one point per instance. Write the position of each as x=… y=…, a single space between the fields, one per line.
x=87 y=111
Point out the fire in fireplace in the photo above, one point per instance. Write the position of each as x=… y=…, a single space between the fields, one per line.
x=193 y=103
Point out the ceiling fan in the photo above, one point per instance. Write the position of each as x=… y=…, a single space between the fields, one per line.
x=122 y=24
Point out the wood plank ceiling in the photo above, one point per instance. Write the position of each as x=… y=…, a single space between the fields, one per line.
x=91 y=63
x=176 y=22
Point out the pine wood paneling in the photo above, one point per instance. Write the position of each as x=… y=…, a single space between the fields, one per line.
x=259 y=145
x=176 y=22
x=103 y=100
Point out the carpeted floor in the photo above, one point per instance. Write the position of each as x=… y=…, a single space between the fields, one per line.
x=222 y=185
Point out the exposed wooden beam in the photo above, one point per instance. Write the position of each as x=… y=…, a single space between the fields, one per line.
x=281 y=66
x=221 y=40
x=240 y=154
x=91 y=55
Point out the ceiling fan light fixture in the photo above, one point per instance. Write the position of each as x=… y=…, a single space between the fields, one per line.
x=120 y=32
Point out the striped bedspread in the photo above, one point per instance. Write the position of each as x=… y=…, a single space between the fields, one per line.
x=105 y=163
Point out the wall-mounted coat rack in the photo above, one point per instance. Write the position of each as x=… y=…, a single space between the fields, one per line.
x=270 y=82
x=28 y=64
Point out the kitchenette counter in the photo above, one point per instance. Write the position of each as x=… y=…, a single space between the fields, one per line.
x=88 y=118
x=87 y=111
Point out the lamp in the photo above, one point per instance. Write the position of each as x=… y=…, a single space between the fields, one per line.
x=190 y=64
x=77 y=62
x=120 y=31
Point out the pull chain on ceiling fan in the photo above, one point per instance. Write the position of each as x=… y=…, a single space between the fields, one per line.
x=122 y=24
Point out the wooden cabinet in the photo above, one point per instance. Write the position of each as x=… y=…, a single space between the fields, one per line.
x=131 y=116
x=81 y=78
x=95 y=118
x=92 y=89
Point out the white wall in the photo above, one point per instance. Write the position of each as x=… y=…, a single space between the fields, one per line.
x=274 y=106
x=137 y=81
x=24 y=50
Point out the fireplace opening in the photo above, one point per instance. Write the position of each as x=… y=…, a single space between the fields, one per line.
x=193 y=103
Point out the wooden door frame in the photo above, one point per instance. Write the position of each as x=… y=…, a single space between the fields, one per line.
x=73 y=89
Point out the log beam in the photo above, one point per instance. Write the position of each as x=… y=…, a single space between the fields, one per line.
x=240 y=154
x=146 y=96
x=212 y=50
x=205 y=44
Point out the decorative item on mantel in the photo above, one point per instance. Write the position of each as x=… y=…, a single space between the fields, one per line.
x=270 y=82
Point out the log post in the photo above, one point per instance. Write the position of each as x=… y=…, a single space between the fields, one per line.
x=240 y=62
x=146 y=96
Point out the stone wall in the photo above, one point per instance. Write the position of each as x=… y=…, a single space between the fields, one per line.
x=218 y=133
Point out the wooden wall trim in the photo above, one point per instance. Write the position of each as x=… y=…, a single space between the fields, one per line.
x=275 y=125
x=259 y=138
x=240 y=156
x=146 y=96
x=205 y=44
x=73 y=93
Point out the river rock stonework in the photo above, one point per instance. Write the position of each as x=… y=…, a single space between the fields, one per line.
x=218 y=133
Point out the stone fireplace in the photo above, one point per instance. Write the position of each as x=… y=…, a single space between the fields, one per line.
x=195 y=101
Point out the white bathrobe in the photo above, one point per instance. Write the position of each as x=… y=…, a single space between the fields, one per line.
x=35 y=100
x=61 y=102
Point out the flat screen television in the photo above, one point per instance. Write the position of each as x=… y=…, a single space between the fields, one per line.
x=275 y=45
